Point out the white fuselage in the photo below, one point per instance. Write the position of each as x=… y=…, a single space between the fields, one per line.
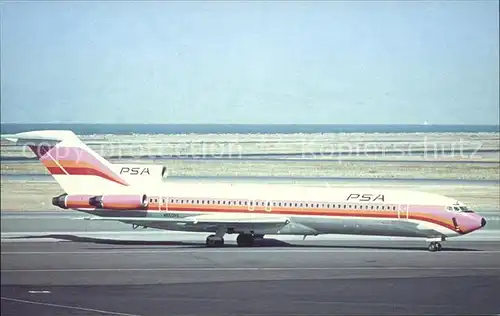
x=311 y=210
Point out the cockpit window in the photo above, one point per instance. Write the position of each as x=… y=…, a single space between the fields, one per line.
x=465 y=209
x=457 y=208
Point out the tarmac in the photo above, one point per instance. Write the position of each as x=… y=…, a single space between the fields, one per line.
x=88 y=269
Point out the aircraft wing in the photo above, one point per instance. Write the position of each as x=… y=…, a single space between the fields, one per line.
x=201 y=221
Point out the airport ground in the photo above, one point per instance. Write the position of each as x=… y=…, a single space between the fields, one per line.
x=83 y=270
x=54 y=264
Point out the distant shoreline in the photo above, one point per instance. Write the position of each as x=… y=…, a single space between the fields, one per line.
x=124 y=129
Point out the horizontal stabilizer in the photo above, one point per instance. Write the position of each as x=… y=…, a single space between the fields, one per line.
x=76 y=167
x=35 y=137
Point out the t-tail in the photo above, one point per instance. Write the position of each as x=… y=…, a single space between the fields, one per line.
x=80 y=170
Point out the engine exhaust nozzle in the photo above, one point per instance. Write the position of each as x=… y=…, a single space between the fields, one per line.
x=60 y=201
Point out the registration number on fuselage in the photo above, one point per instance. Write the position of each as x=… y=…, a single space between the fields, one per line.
x=171 y=215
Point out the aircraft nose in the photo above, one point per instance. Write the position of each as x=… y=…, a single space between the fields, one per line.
x=483 y=222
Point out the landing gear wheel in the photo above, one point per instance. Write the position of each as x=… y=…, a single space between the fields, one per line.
x=435 y=246
x=245 y=240
x=214 y=241
x=432 y=247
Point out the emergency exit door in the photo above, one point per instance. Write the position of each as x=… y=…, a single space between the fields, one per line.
x=403 y=211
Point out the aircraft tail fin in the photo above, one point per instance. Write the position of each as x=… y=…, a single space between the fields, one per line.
x=75 y=166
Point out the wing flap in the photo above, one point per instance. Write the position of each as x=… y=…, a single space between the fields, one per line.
x=265 y=222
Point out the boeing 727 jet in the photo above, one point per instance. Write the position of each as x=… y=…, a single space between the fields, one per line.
x=138 y=195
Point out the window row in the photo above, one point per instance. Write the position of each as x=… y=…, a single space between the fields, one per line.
x=268 y=204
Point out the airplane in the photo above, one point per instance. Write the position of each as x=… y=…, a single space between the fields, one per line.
x=140 y=195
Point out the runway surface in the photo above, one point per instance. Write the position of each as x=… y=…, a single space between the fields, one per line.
x=87 y=269
x=156 y=278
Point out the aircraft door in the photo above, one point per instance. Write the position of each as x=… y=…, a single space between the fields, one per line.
x=403 y=211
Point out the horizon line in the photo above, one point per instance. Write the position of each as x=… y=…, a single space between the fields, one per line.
x=347 y=124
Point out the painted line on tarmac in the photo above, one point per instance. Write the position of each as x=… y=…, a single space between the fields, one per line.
x=251 y=269
x=203 y=250
x=99 y=311
x=276 y=249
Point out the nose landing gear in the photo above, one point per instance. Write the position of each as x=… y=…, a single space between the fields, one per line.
x=435 y=246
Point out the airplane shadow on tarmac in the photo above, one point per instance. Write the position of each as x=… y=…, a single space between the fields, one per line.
x=265 y=242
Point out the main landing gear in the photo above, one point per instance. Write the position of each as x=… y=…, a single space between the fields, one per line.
x=435 y=246
x=216 y=240
x=243 y=240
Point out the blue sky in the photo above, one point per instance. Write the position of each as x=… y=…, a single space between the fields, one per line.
x=328 y=62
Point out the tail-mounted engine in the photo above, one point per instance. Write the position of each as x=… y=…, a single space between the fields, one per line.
x=72 y=201
x=111 y=202
x=120 y=202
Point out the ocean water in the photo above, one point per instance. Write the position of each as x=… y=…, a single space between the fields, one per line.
x=125 y=129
